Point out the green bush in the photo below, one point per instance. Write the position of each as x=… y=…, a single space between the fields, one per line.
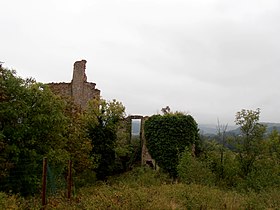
x=191 y=170
x=264 y=175
x=141 y=176
x=167 y=136
x=8 y=202
x=222 y=163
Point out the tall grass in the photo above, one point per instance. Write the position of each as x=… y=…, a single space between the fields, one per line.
x=143 y=188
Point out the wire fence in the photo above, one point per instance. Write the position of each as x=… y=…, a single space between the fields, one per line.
x=56 y=180
x=42 y=177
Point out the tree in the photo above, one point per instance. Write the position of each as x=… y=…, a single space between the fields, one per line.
x=274 y=145
x=221 y=133
x=32 y=125
x=102 y=121
x=167 y=137
x=249 y=145
x=78 y=144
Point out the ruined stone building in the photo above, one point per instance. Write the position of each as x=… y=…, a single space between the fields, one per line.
x=78 y=89
x=82 y=91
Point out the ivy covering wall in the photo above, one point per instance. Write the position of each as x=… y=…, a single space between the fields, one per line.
x=167 y=137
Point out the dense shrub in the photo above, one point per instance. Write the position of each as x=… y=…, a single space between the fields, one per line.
x=191 y=170
x=167 y=136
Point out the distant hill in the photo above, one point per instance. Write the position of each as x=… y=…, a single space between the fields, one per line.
x=211 y=129
x=272 y=126
x=269 y=128
x=207 y=129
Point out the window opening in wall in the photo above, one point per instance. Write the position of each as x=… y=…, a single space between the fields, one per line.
x=135 y=129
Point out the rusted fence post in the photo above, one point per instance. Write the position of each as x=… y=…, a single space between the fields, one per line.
x=44 y=183
x=69 y=180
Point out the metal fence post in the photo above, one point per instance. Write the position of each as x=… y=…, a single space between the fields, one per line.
x=69 y=180
x=44 y=183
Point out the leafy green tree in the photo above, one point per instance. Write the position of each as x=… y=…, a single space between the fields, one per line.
x=102 y=121
x=32 y=125
x=266 y=170
x=78 y=144
x=250 y=144
x=274 y=145
x=167 y=137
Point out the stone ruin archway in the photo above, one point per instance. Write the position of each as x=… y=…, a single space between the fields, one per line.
x=146 y=158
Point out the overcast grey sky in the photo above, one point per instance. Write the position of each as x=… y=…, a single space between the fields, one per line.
x=210 y=58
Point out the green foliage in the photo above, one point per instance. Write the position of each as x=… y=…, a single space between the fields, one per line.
x=78 y=145
x=128 y=153
x=263 y=176
x=253 y=162
x=167 y=136
x=32 y=125
x=102 y=121
x=273 y=145
x=143 y=188
x=265 y=172
x=8 y=202
x=140 y=176
x=192 y=170
x=225 y=170
x=250 y=145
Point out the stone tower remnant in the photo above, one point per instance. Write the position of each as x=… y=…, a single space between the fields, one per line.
x=79 y=89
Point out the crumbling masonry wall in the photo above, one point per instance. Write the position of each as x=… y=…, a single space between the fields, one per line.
x=146 y=158
x=79 y=89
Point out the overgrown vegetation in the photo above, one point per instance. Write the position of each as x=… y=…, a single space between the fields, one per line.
x=237 y=172
x=167 y=136
x=32 y=125
x=144 y=188
x=102 y=121
x=35 y=123
x=250 y=162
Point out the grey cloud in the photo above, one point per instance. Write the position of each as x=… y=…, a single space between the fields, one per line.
x=210 y=58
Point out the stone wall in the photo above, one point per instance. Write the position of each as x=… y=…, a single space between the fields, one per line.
x=79 y=89
x=146 y=158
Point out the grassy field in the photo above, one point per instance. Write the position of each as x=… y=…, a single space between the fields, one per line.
x=143 y=188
